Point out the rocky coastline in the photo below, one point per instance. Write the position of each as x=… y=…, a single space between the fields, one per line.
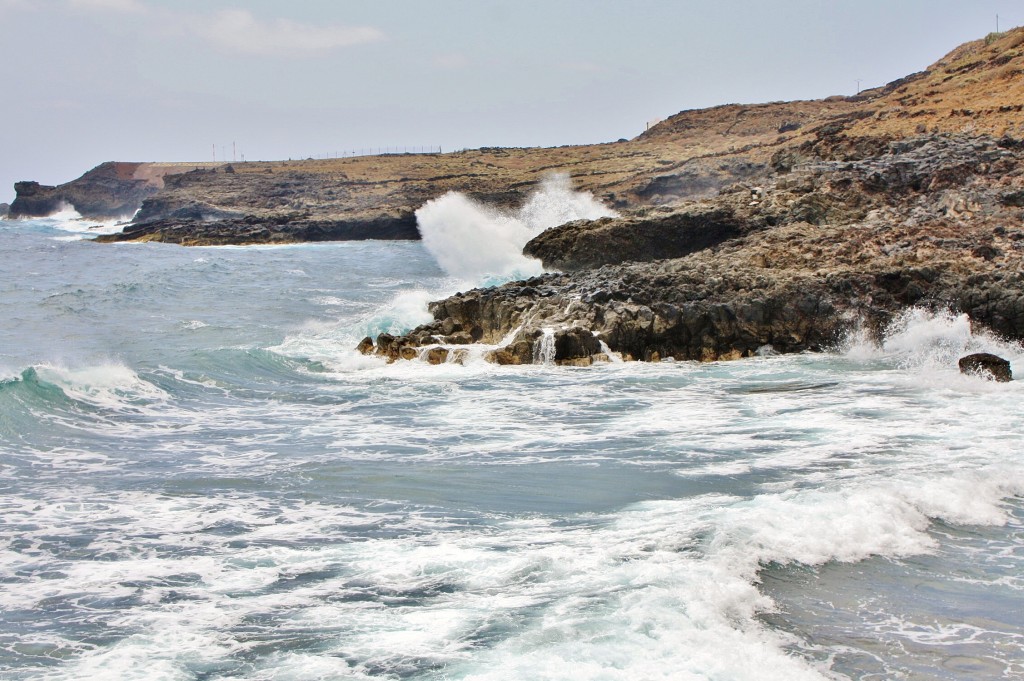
x=912 y=200
x=743 y=229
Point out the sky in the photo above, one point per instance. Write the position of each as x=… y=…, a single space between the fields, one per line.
x=88 y=81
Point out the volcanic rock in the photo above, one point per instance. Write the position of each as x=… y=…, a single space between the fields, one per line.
x=666 y=234
x=437 y=355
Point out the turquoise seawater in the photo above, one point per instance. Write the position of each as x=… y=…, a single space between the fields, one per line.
x=201 y=479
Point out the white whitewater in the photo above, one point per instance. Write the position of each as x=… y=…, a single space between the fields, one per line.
x=484 y=245
x=544 y=350
x=202 y=479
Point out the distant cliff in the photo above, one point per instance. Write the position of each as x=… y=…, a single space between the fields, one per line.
x=110 y=191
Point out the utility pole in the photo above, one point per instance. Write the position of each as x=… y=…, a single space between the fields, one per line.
x=214 y=153
x=858 y=80
x=234 y=155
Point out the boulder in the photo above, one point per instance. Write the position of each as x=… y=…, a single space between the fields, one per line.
x=437 y=355
x=522 y=350
x=460 y=338
x=986 y=365
x=365 y=346
x=574 y=344
x=387 y=346
x=584 y=244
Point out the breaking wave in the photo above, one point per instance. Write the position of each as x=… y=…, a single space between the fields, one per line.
x=484 y=245
x=925 y=341
x=67 y=219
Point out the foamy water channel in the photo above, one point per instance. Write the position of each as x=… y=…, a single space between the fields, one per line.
x=201 y=479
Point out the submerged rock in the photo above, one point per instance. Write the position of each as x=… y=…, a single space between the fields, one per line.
x=986 y=365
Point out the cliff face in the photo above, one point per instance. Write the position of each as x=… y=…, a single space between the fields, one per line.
x=375 y=196
x=744 y=228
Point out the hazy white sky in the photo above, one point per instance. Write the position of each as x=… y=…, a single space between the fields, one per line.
x=93 y=80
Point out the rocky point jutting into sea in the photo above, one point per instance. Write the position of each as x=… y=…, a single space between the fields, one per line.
x=742 y=229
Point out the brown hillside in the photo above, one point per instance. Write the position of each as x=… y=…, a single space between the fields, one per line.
x=978 y=88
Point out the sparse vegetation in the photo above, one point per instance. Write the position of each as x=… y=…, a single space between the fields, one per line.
x=992 y=37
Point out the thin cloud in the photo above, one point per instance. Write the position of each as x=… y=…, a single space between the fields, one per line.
x=109 y=5
x=239 y=31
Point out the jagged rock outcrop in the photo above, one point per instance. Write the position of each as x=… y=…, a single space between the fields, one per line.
x=918 y=179
x=5 y=209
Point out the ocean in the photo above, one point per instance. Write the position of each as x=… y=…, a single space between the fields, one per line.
x=200 y=478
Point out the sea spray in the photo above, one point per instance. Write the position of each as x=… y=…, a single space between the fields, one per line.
x=65 y=212
x=66 y=218
x=613 y=357
x=920 y=339
x=483 y=245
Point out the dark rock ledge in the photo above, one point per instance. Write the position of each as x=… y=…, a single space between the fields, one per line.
x=274 y=229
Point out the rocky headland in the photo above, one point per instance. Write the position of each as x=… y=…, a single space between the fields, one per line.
x=853 y=221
